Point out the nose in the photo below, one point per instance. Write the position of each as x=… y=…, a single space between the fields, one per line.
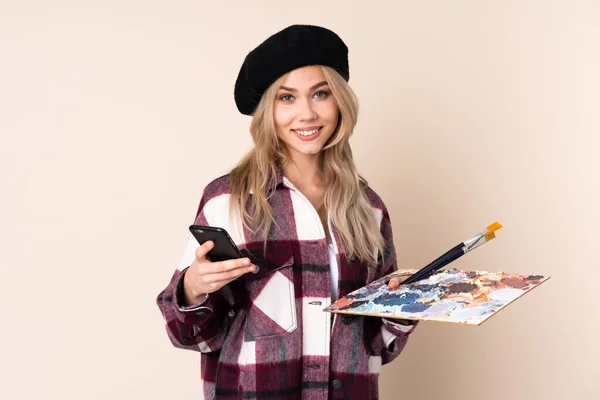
x=306 y=111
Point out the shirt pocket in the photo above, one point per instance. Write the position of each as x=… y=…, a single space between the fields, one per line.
x=272 y=300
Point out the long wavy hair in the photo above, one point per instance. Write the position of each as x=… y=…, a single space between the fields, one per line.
x=345 y=198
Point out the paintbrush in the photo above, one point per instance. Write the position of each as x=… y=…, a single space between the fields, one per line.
x=454 y=253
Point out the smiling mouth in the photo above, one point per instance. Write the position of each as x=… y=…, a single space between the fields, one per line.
x=307 y=132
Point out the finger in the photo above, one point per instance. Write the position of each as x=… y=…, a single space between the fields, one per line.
x=394 y=283
x=204 y=249
x=222 y=266
x=227 y=276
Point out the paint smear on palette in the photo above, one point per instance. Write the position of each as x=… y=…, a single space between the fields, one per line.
x=451 y=295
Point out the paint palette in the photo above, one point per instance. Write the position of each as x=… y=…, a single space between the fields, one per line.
x=450 y=295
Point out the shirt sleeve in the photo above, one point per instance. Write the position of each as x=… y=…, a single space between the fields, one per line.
x=201 y=327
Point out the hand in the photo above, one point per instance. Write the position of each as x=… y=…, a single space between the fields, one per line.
x=394 y=283
x=204 y=276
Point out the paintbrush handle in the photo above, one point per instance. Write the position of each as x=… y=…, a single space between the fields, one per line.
x=425 y=269
x=454 y=253
x=445 y=260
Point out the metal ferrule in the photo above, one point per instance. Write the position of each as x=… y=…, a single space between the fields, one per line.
x=475 y=241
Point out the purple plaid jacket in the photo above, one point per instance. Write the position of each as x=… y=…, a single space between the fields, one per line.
x=265 y=335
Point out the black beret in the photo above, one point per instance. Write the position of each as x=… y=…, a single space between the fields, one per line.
x=294 y=47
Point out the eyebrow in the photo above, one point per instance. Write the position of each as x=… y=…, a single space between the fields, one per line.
x=313 y=87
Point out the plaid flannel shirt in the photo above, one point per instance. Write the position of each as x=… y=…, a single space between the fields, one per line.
x=264 y=335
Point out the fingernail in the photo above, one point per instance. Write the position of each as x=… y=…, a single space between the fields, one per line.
x=246 y=261
x=208 y=244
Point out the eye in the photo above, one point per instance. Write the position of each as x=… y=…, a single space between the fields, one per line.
x=321 y=94
x=286 y=97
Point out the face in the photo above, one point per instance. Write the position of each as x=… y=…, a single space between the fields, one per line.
x=305 y=112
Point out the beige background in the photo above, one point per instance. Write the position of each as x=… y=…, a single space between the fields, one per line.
x=115 y=114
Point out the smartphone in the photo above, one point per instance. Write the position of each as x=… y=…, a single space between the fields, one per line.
x=224 y=249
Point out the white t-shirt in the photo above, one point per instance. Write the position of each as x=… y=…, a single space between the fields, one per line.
x=334 y=273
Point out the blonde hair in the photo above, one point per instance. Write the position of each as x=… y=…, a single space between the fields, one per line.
x=345 y=198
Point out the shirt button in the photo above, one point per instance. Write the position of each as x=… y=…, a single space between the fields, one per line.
x=337 y=384
x=347 y=319
x=351 y=257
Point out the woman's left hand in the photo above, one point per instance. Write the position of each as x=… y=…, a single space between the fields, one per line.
x=394 y=283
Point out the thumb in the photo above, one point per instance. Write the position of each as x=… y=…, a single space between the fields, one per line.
x=203 y=250
x=394 y=283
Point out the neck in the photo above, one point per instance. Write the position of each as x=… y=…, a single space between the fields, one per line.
x=303 y=169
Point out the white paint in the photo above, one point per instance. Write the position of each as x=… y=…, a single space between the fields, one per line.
x=505 y=295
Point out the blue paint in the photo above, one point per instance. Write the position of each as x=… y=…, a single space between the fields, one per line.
x=426 y=287
x=415 y=307
x=393 y=299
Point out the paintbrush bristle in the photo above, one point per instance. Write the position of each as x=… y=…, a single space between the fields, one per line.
x=494 y=227
x=489 y=235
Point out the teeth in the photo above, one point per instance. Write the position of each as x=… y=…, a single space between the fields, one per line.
x=306 y=133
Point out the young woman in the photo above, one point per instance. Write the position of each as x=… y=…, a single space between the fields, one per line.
x=311 y=229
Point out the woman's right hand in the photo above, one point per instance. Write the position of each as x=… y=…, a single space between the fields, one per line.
x=204 y=276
